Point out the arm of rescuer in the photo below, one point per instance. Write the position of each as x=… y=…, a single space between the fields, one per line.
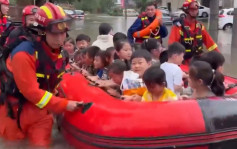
x=137 y=26
x=24 y=73
x=207 y=40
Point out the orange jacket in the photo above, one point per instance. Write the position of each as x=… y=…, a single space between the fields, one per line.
x=23 y=67
x=207 y=39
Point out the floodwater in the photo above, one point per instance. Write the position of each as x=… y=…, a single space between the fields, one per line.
x=90 y=26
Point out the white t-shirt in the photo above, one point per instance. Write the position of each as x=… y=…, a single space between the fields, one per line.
x=174 y=74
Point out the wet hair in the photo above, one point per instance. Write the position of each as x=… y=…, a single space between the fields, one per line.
x=104 y=57
x=175 y=48
x=154 y=75
x=119 y=36
x=119 y=44
x=163 y=57
x=214 y=79
x=151 y=4
x=92 y=51
x=70 y=40
x=117 y=67
x=150 y=44
x=104 y=29
x=214 y=58
x=142 y=54
x=80 y=52
x=81 y=37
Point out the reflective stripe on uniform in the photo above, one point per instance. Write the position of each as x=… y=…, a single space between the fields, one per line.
x=60 y=75
x=40 y=75
x=147 y=37
x=44 y=100
x=188 y=50
x=60 y=56
x=47 y=12
x=212 y=47
x=181 y=33
x=199 y=36
x=191 y=38
x=36 y=55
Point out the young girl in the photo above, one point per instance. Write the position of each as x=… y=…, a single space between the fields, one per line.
x=69 y=46
x=123 y=51
x=155 y=81
x=111 y=51
x=205 y=81
x=101 y=61
x=154 y=47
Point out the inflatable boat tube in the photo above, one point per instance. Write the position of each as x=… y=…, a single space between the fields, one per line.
x=150 y=27
x=114 y=124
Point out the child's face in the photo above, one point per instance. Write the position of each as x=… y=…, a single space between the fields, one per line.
x=140 y=65
x=156 y=88
x=126 y=52
x=88 y=60
x=82 y=44
x=194 y=83
x=117 y=78
x=98 y=64
x=69 y=47
x=178 y=58
x=220 y=69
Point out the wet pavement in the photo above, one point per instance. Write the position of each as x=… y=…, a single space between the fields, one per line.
x=90 y=26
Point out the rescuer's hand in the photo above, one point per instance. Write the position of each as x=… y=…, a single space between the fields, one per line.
x=73 y=105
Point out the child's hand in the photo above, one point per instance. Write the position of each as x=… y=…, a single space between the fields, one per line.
x=134 y=97
x=185 y=75
x=93 y=78
x=113 y=92
x=184 y=97
x=85 y=72
x=105 y=83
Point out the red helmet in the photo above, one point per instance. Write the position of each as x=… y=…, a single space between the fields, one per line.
x=5 y=2
x=52 y=18
x=28 y=10
x=187 y=3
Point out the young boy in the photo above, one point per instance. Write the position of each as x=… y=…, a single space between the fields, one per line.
x=155 y=81
x=82 y=41
x=132 y=85
x=173 y=72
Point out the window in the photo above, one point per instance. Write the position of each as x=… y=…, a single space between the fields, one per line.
x=222 y=12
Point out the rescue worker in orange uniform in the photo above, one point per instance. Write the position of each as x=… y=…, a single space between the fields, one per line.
x=36 y=67
x=4 y=8
x=191 y=33
x=143 y=21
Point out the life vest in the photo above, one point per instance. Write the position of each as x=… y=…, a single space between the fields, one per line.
x=48 y=74
x=153 y=34
x=191 y=40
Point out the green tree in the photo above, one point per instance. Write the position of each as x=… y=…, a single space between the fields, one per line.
x=106 y=5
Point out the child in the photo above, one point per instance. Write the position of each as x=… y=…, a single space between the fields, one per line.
x=173 y=72
x=111 y=51
x=132 y=85
x=88 y=68
x=154 y=47
x=82 y=41
x=118 y=37
x=155 y=81
x=69 y=46
x=205 y=81
x=79 y=58
x=101 y=63
x=123 y=51
x=115 y=71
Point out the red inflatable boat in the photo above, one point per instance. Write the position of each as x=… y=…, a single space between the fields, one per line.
x=114 y=124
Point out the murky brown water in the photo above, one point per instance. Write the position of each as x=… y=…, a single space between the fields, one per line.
x=90 y=26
